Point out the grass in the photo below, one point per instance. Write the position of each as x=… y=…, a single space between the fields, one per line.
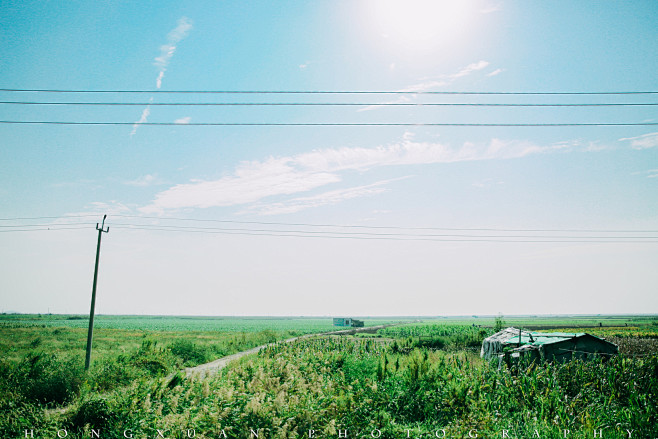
x=16 y=342
x=113 y=335
x=418 y=377
x=331 y=384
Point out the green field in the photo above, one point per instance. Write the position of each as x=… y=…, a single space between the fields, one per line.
x=303 y=325
x=219 y=336
x=549 y=321
x=408 y=380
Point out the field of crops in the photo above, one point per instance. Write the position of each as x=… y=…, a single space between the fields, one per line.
x=301 y=325
x=218 y=336
x=548 y=321
x=412 y=380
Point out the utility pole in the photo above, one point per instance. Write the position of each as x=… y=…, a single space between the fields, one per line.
x=90 y=333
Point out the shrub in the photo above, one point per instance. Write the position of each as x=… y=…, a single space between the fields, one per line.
x=47 y=379
x=190 y=353
x=111 y=374
x=150 y=359
x=432 y=343
x=96 y=412
x=17 y=413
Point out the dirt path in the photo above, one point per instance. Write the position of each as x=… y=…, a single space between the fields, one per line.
x=206 y=369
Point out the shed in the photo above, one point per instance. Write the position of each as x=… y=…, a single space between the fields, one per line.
x=347 y=321
x=555 y=346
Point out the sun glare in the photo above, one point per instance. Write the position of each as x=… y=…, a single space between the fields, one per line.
x=418 y=24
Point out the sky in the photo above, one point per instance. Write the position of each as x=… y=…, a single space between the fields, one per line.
x=375 y=205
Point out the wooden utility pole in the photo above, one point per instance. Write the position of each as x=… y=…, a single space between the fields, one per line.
x=90 y=333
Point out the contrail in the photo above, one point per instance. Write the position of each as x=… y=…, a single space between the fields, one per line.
x=162 y=61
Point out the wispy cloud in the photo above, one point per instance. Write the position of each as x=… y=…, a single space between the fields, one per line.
x=111 y=207
x=491 y=8
x=144 y=180
x=251 y=182
x=651 y=173
x=143 y=118
x=495 y=72
x=597 y=146
x=167 y=51
x=254 y=181
x=101 y=208
x=487 y=182
x=645 y=141
x=435 y=82
x=183 y=120
x=326 y=198
x=444 y=80
x=474 y=67
x=77 y=183
x=183 y=26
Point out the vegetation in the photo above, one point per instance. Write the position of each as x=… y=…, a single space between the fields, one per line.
x=406 y=381
x=16 y=342
x=296 y=325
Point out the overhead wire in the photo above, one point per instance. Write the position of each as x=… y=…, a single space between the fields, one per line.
x=325 y=225
x=33 y=227
x=298 y=224
x=174 y=227
x=324 y=232
x=332 y=124
x=337 y=104
x=43 y=229
x=49 y=217
x=367 y=234
x=388 y=92
x=645 y=122
x=44 y=225
x=303 y=234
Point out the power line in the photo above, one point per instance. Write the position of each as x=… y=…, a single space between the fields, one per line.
x=335 y=104
x=44 y=225
x=485 y=229
x=368 y=236
x=390 y=238
x=333 y=124
x=49 y=217
x=338 y=92
x=352 y=104
x=44 y=229
x=324 y=232
x=325 y=225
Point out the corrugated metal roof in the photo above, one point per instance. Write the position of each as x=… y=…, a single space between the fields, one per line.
x=511 y=336
x=542 y=339
x=505 y=335
x=537 y=341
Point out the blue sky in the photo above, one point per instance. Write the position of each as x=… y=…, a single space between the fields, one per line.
x=549 y=184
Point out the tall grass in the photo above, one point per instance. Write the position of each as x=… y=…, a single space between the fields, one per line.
x=331 y=384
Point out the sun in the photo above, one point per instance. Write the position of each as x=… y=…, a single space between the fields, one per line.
x=418 y=24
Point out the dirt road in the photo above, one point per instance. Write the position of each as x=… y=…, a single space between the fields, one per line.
x=212 y=367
